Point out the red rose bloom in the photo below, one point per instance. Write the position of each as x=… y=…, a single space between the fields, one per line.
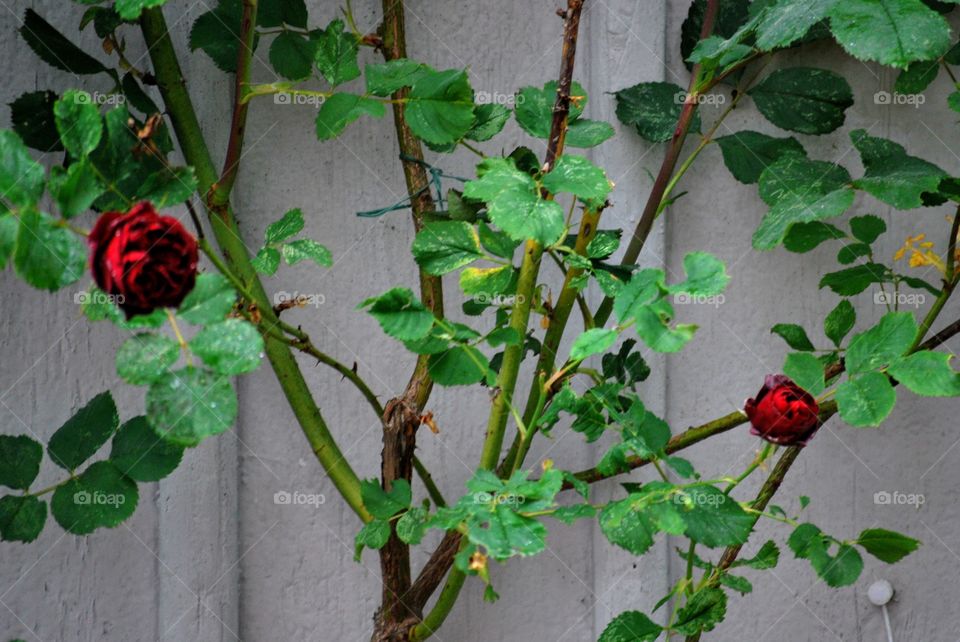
x=145 y=260
x=783 y=413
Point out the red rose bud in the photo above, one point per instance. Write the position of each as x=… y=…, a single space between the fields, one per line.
x=145 y=260
x=783 y=413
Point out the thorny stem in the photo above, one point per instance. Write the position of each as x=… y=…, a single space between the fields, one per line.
x=190 y=136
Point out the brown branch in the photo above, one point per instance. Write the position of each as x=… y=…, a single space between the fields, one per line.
x=401 y=417
x=672 y=155
x=220 y=192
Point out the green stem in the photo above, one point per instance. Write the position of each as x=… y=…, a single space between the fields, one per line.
x=433 y=620
x=190 y=136
x=428 y=483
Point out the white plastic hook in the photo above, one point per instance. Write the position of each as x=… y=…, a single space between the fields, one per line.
x=880 y=593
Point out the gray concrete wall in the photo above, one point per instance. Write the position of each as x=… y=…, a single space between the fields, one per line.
x=209 y=556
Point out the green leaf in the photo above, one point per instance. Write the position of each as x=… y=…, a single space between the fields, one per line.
x=766 y=557
x=440 y=106
x=809 y=542
x=444 y=246
x=799 y=190
x=54 y=49
x=8 y=237
x=867 y=228
x=217 y=33
x=794 y=335
x=229 y=347
x=266 y=261
x=486 y=283
x=81 y=436
x=713 y=518
x=631 y=626
x=336 y=54
x=145 y=357
x=789 y=20
x=373 y=535
x=927 y=373
x=856 y=279
x=853 y=251
x=101 y=497
x=458 y=366
x=382 y=504
x=490 y=121
x=887 y=546
x=917 y=77
x=290 y=224
x=534 y=107
x=578 y=176
x=643 y=288
x=31 y=115
x=583 y=133
x=339 y=110
x=730 y=17
x=803 y=237
x=168 y=186
x=20 y=459
x=803 y=99
x=806 y=371
x=141 y=455
x=412 y=526
x=892 y=175
x=653 y=108
x=303 y=249
x=514 y=202
x=627 y=524
x=187 y=405
x=882 y=343
x=400 y=314
x=839 y=322
x=21 y=177
x=866 y=400
x=76 y=188
x=747 y=153
x=702 y=612
x=21 y=518
x=386 y=78
x=504 y=533
x=274 y=13
x=130 y=9
x=292 y=55
x=78 y=122
x=706 y=275
x=653 y=324
x=592 y=341
x=892 y=32
x=209 y=301
x=47 y=256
